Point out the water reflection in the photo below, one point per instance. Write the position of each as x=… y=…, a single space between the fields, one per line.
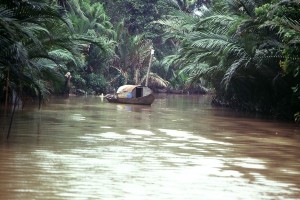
x=178 y=148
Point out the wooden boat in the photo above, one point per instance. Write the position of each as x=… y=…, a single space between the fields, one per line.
x=132 y=94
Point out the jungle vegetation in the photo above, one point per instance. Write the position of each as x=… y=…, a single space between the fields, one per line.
x=245 y=51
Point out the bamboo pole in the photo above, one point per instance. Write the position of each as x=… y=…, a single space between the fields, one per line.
x=149 y=67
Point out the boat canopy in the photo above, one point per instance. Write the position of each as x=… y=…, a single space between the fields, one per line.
x=133 y=91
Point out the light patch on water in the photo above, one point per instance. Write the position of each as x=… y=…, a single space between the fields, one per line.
x=208 y=141
x=169 y=144
x=208 y=162
x=87 y=138
x=139 y=132
x=249 y=163
x=288 y=171
x=112 y=135
x=156 y=139
x=106 y=136
x=262 y=179
x=185 y=135
x=188 y=148
x=230 y=173
x=78 y=117
x=176 y=133
x=202 y=151
x=105 y=127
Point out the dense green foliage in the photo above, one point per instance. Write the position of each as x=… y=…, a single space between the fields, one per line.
x=247 y=51
x=39 y=45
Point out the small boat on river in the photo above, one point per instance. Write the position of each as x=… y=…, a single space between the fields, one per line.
x=132 y=94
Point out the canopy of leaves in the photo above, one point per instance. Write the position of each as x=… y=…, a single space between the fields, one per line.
x=245 y=54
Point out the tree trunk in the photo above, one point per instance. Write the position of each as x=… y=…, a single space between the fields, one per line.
x=6 y=93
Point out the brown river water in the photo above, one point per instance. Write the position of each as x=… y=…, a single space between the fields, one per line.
x=180 y=147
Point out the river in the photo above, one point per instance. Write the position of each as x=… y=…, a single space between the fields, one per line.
x=180 y=147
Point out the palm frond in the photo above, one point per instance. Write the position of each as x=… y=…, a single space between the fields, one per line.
x=156 y=80
x=232 y=71
x=217 y=43
x=217 y=23
x=195 y=72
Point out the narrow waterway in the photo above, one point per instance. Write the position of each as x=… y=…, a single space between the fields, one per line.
x=180 y=147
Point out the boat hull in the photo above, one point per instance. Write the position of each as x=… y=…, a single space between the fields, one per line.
x=145 y=100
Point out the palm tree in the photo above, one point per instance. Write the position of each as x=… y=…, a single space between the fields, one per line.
x=38 y=44
x=23 y=25
x=132 y=58
x=243 y=63
x=91 y=21
x=283 y=16
x=130 y=53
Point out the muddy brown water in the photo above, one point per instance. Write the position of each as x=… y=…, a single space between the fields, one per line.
x=180 y=147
